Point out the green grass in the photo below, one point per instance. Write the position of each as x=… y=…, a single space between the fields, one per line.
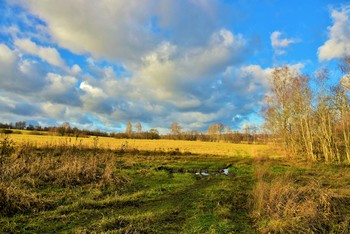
x=160 y=192
x=69 y=189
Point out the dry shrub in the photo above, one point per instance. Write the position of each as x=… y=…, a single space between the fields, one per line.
x=282 y=206
x=16 y=200
x=262 y=160
x=63 y=166
x=73 y=170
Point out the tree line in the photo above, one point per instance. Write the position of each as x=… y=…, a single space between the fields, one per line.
x=310 y=116
x=215 y=132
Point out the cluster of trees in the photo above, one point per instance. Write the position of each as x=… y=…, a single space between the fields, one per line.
x=217 y=132
x=311 y=117
x=64 y=130
x=22 y=125
x=138 y=134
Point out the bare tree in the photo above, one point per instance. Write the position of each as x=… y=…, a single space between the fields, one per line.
x=288 y=110
x=64 y=129
x=342 y=105
x=175 y=128
x=20 y=125
x=138 y=127
x=128 y=129
x=313 y=123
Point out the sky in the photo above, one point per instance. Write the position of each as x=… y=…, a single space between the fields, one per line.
x=100 y=64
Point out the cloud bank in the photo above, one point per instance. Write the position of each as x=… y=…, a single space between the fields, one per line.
x=99 y=64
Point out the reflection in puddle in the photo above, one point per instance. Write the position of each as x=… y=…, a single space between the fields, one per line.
x=204 y=173
x=226 y=171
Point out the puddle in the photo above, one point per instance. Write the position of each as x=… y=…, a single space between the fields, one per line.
x=203 y=173
x=221 y=172
x=226 y=171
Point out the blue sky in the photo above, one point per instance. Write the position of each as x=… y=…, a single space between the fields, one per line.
x=99 y=64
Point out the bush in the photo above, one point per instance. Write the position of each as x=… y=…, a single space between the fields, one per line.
x=6 y=131
x=36 y=133
x=280 y=205
x=14 y=200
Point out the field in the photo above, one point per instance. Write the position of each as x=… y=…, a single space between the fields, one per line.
x=51 y=184
x=195 y=147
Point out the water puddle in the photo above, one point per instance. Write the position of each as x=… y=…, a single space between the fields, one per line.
x=198 y=172
x=226 y=171
x=203 y=173
x=221 y=172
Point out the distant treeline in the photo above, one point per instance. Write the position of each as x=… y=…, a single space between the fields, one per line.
x=232 y=137
x=176 y=134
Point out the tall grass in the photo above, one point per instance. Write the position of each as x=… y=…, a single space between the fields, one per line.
x=26 y=167
x=75 y=187
x=290 y=202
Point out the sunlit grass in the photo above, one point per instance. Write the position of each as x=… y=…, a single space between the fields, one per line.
x=51 y=184
x=195 y=147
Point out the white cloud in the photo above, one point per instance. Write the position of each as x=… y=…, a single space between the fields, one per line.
x=95 y=92
x=278 y=43
x=76 y=69
x=58 y=85
x=7 y=55
x=125 y=30
x=47 y=54
x=117 y=30
x=12 y=30
x=338 y=44
x=173 y=52
x=7 y=102
x=54 y=110
x=22 y=76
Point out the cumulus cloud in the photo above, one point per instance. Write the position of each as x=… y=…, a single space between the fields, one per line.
x=21 y=76
x=170 y=70
x=94 y=92
x=76 y=69
x=125 y=30
x=47 y=54
x=181 y=65
x=17 y=106
x=279 y=44
x=338 y=43
x=61 y=89
x=7 y=55
x=118 y=29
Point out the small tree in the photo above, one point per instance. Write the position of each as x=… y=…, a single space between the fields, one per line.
x=128 y=129
x=20 y=125
x=64 y=129
x=175 y=128
x=138 y=127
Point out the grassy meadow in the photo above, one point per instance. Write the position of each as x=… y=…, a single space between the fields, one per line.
x=195 y=147
x=51 y=184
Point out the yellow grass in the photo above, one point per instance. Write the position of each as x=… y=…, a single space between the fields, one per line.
x=196 y=147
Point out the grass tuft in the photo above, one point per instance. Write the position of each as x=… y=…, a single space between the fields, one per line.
x=290 y=202
x=15 y=200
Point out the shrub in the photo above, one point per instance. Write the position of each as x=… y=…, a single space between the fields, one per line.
x=6 y=131
x=14 y=200
x=283 y=206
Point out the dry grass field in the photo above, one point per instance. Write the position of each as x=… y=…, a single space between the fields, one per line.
x=195 y=147
x=51 y=184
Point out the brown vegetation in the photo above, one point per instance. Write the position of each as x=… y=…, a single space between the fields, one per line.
x=313 y=123
x=286 y=200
